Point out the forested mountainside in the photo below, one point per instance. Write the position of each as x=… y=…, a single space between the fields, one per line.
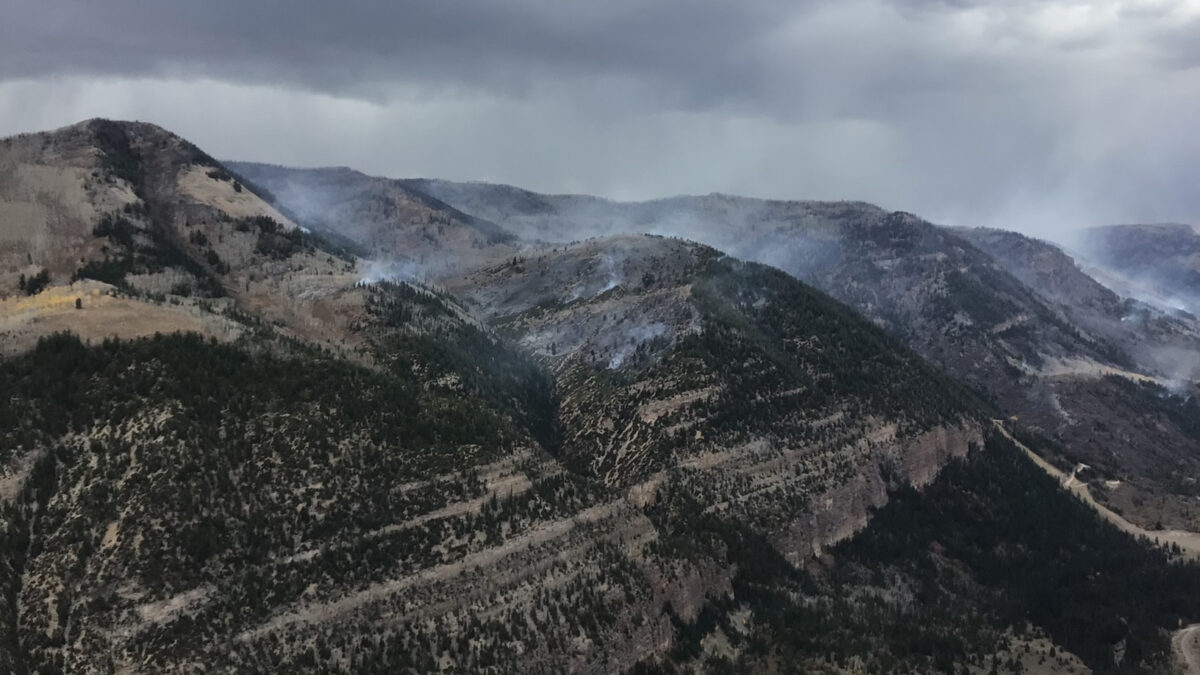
x=1135 y=427
x=229 y=444
x=186 y=504
x=733 y=371
x=1007 y=315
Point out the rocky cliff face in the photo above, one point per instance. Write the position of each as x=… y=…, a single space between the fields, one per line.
x=846 y=509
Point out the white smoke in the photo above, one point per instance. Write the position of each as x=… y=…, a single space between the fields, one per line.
x=375 y=271
x=612 y=271
x=635 y=337
x=609 y=275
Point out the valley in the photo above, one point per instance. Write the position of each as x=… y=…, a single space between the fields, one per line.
x=1186 y=543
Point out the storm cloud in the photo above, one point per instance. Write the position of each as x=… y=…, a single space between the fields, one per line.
x=1029 y=115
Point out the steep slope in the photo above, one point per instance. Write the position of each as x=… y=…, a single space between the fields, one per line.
x=1160 y=343
x=102 y=191
x=629 y=453
x=941 y=295
x=160 y=222
x=1050 y=272
x=363 y=467
x=967 y=575
x=183 y=501
x=929 y=566
x=413 y=233
x=775 y=405
x=190 y=505
x=1159 y=264
x=1134 y=426
x=1009 y=316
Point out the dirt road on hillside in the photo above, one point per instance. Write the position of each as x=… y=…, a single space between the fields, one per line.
x=1185 y=643
x=1188 y=541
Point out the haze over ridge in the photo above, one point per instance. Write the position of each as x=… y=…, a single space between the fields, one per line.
x=1029 y=116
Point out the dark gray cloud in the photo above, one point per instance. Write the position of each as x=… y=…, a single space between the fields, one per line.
x=698 y=49
x=1020 y=113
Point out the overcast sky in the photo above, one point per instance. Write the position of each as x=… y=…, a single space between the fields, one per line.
x=1027 y=114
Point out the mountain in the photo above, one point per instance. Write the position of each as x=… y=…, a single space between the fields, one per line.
x=940 y=294
x=362 y=210
x=146 y=217
x=345 y=447
x=1011 y=317
x=1056 y=361
x=1135 y=426
x=253 y=450
x=1159 y=264
x=685 y=358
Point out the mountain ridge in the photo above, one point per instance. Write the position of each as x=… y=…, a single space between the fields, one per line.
x=627 y=453
x=464 y=400
x=971 y=301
